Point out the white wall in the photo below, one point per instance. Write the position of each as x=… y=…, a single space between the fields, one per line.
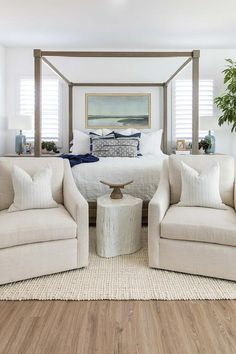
x=2 y=99
x=19 y=63
x=212 y=62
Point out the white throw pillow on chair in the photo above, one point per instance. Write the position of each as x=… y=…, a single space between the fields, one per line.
x=201 y=189
x=32 y=192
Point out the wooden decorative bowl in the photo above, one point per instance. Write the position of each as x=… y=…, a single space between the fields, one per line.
x=116 y=193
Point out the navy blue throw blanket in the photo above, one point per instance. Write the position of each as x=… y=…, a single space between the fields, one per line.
x=78 y=159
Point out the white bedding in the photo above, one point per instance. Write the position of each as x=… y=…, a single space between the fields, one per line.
x=144 y=171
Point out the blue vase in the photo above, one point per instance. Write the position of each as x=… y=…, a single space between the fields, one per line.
x=212 y=139
x=20 y=142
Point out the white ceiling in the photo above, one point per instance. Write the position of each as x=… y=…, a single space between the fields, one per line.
x=118 y=24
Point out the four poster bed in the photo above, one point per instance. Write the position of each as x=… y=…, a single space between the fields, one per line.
x=146 y=169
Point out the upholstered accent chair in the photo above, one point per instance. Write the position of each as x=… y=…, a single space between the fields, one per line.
x=42 y=241
x=193 y=240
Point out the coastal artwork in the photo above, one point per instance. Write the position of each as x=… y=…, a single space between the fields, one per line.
x=118 y=110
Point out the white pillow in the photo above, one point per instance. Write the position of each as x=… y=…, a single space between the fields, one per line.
x=124 y=131
x=104 y=131
x=201 y=189
x=150 y=143
x=32 y=192
x=81 y=143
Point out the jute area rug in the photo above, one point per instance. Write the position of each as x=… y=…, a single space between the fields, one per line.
x=120 y=278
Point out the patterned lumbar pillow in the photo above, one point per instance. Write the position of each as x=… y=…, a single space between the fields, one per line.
x=121 y=147
x=201 y=189
x=129 y=136
x=32 y=192
x=95 y=137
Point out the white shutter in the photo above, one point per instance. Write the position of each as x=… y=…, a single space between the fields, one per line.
x=51 y=122
x=183 y=106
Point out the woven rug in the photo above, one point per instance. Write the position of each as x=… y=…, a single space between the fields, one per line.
x=120 y=278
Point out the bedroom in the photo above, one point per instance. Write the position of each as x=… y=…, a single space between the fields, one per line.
x=22 y=32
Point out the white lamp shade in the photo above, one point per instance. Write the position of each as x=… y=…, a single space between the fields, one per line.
x=20 y=122
x=209 y=123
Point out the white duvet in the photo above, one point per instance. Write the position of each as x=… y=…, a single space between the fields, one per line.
x=144 y=171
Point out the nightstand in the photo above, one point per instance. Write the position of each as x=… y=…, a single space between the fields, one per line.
x=16 y=155
x=31 y=155
x=182 y=152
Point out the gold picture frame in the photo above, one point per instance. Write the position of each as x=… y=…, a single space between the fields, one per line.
x=118 y=110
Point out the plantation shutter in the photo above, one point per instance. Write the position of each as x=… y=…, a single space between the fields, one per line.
x=183 y=106
x=51 y=123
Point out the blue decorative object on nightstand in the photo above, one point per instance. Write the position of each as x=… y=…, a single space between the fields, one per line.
x=20 y=143
x=20 y=123
x=211 y=150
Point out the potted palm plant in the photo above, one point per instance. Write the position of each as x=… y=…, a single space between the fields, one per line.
x=227 y=102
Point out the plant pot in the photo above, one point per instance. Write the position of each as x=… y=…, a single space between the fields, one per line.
x=44 y=151
x=201 y=151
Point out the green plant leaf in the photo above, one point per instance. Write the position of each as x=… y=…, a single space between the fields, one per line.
x=226 y=103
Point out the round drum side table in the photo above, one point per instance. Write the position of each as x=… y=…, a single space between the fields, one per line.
x=118 y=225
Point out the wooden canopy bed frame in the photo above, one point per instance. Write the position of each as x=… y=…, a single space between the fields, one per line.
x=41 y=56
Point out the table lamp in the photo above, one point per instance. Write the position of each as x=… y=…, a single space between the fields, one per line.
x=20 y=122
x=209 y=123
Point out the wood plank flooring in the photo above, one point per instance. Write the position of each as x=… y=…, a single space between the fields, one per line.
x=117 y=327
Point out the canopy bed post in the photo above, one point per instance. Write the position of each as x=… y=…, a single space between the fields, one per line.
x=106 y=54
x=118 y=84
x=70 y=103
x=70 y=95
x=37 y=101
x=165 y=117
x=165 y=103
x=195 y=101
x=178 y=70
x=55 y=70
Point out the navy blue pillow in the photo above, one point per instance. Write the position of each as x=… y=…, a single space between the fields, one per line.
x=135 y=135
x=102 y=136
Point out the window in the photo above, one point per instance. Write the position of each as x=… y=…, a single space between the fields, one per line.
x=183 y=106
x=51 y=121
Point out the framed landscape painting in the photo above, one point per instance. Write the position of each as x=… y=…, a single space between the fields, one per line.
x=118 y=110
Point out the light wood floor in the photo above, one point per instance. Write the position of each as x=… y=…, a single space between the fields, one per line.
x=119 y=327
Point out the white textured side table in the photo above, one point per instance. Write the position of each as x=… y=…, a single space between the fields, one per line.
x=118 y=225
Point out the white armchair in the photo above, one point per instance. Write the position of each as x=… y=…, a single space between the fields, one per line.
x=42 y=241
x=193 y=239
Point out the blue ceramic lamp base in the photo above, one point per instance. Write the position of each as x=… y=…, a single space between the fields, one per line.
x=211 y=150
x=20 y=142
